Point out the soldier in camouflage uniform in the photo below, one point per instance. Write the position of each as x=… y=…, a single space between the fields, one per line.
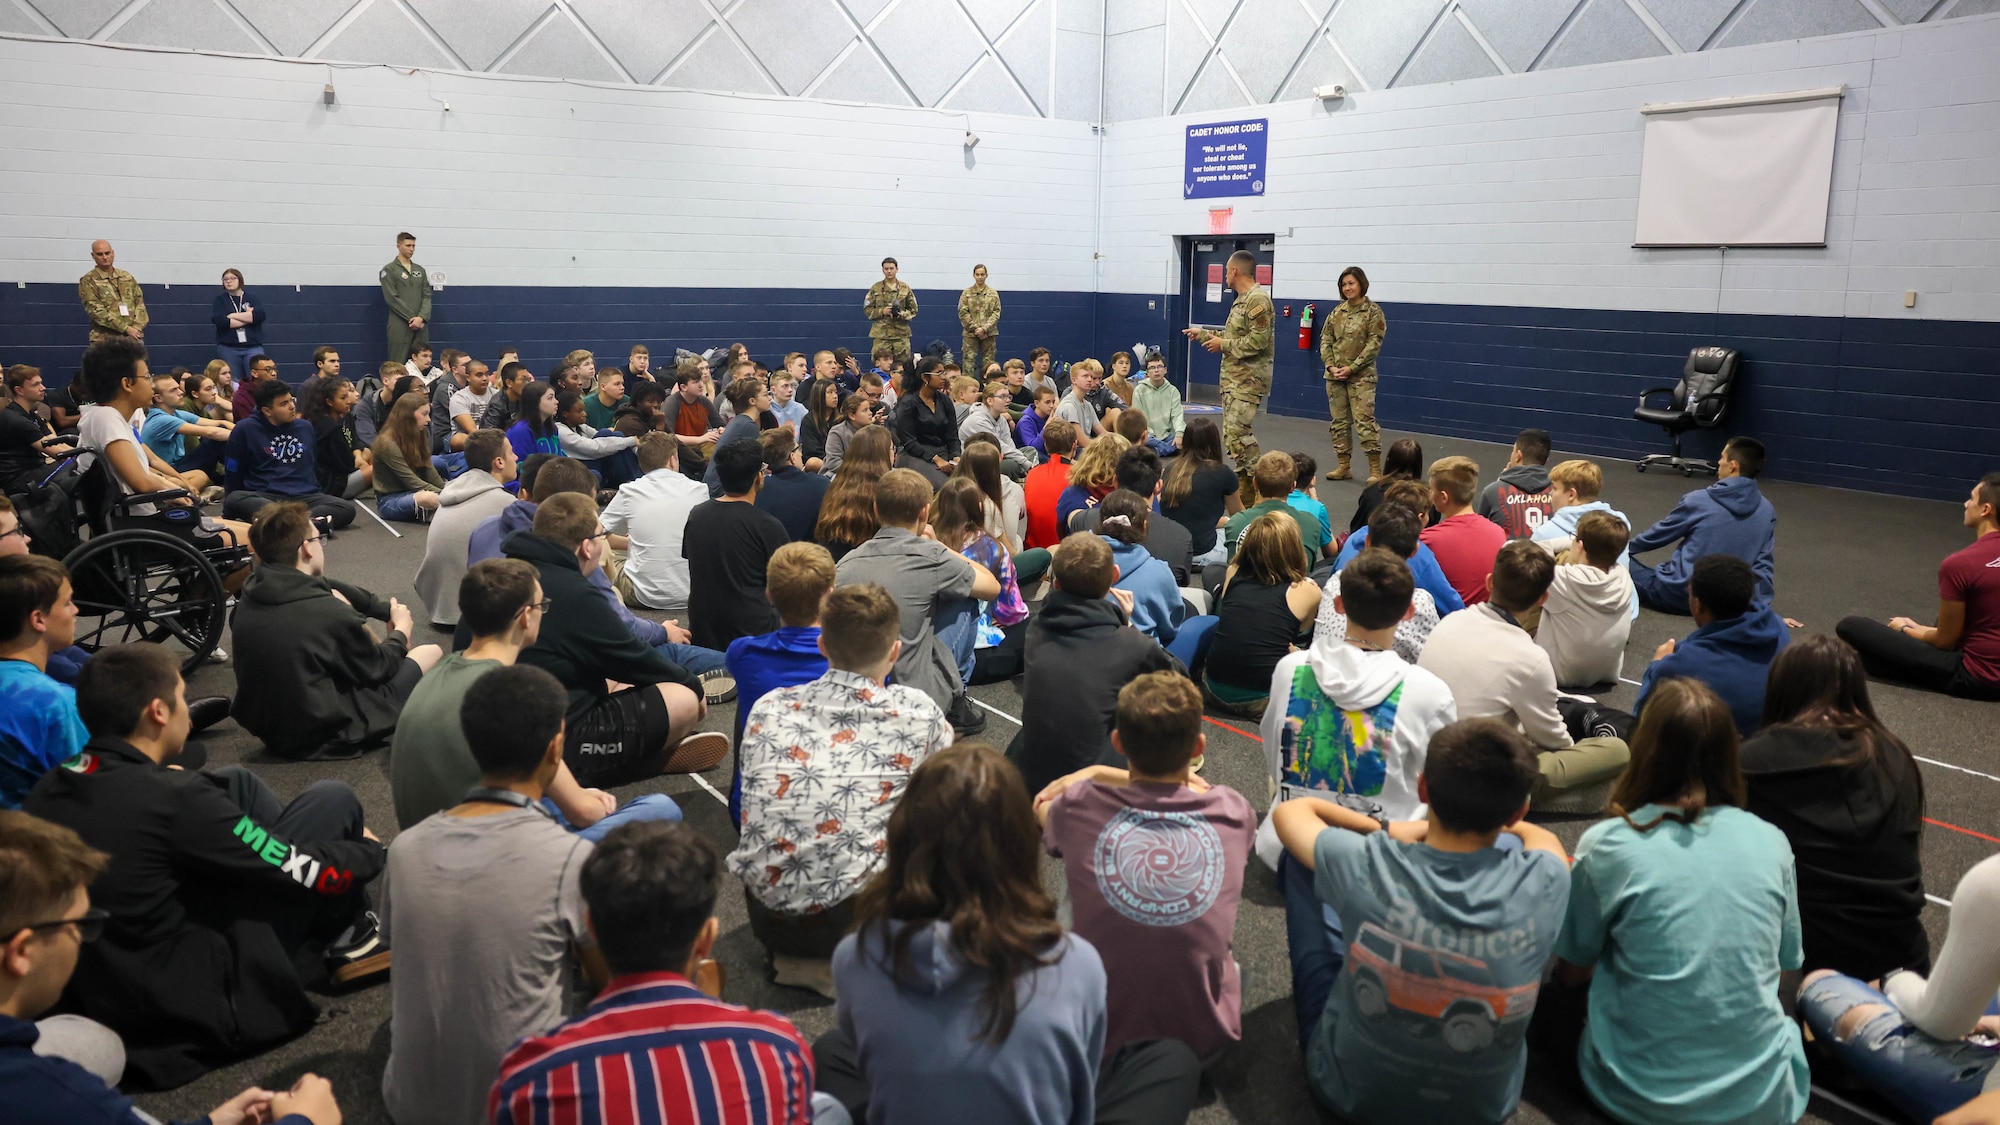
x=407 y=289
x=979 y=316
x=1348 y=345
x=1248 y=349
x=111 y=298
x=891 y=306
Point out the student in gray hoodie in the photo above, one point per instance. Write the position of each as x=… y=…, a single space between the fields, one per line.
x=1519 y=500
x=923 y=1035
x=469 y=500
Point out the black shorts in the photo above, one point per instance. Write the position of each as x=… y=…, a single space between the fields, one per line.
x=620 y=739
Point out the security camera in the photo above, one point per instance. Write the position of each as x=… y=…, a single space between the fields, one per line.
x=971 y=138
x=1330 y=93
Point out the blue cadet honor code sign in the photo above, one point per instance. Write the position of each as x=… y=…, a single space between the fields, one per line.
x=1225 y=159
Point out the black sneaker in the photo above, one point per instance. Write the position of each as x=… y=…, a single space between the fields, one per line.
x=965 y=716
x=360 y=952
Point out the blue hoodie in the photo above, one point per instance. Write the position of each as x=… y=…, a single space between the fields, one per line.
x=1423 y=567
x=915 y=1034
x=1733 y=656
x=275 y=460
x=1729 y=517
x=1157 y=608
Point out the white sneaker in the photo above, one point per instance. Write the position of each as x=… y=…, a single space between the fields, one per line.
x=219 y=656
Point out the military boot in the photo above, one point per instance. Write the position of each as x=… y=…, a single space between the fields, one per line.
x=1374 y=464
x=1344 y=470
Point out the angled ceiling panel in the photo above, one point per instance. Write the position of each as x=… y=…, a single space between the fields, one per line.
x=1077 y=91
x=1028 y=50
x=1132 y=80
x=560 y=49
x=1213 y=90
x=1263 y=41
x=988 y=90
x=1909 y=11
x=994 y=17
x=1605 y=31
x=931 y=46
x=1212 y=13
x=1187 y=45
x=718 y=64
x=292 y=25
x=794 y=39
x=384 y=34
x=1772 y=21
x=1378 y=35
x=865 y=10
x=1450 y=55
x=645 y=35
x=1690 y=22
x=861 y=78
x=480 y=31
x=1322 y=67
x=1517 y=29
x=78 y=19
x=194 y=24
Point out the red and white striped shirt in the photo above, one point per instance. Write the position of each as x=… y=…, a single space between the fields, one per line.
x=653 y=1049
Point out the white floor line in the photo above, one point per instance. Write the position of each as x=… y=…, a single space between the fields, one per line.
x=1949 y=766
x=997 y=711
x=712 y=790
x=1634 y=683
x=1944 y=902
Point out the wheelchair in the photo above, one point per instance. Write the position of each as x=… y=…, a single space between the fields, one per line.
x=131 y=583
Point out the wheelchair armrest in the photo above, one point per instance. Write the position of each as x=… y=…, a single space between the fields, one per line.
x=125 y=503
x=1650 y=392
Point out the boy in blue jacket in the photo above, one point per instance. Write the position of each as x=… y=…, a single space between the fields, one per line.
x=1736 y=638
x=1729 y=517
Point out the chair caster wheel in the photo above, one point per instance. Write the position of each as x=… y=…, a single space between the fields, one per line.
x=1642 y=466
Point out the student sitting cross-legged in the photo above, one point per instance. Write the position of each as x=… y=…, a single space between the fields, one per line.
x=655 y=1045
x=1418 y=946
x=218 y=892
x=1395 y=529
x=823 y=764
x=961 y=999
x=1154 y=856
x=1736 y=638
x=431 y=761
x=46 y=918
x=1683 y=912
x=1587 y=618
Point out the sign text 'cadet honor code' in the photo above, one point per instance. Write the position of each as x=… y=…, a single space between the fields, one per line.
x=1224 y=159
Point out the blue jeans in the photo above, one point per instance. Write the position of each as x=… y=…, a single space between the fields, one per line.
x=956 y=623
x=694 y=658
x=652 y=806
x=398 y=506
x=1217 y=554
x=238 y=359
x=1924 y=1077
x=1162 y=446
x=449 y=465
x=1190 y=645
x=1318 y=946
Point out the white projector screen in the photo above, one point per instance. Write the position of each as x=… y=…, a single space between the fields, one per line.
x=1738 y=171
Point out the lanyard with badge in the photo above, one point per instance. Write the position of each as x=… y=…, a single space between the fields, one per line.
x=242 y=305
x=123 y=308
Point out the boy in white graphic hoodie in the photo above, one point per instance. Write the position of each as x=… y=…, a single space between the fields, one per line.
x=1585 y=621
x=1348 y=715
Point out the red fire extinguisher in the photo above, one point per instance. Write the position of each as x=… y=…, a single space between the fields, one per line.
x=1306 y=329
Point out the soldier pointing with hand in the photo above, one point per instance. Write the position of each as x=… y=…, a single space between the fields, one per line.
x=1248 y=349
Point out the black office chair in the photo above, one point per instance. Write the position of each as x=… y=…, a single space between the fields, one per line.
x=1699 y=401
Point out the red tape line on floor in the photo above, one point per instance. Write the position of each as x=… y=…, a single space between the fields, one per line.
x=1239 y=730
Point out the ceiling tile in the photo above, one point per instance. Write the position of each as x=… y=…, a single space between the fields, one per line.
x=1321 y=68
x=561 y=50
x=14 y=21
x=931 y=46
x=865 y=10
x=861 y=78
x=1690 y=22
x=1377 y=36
x=1213 y=90
x=1518 y=29
x=1909 y=11
x=78 y=19
x=194 y=24
x=1078 y=93
x=1187 y=45
x=1975 y=8
x=1605 y=31
x=718 y=64
x=1132 y=79
x=989 y=90
x=1772 y=21
x=794 y=39
x=384 y=34
x=479 y=30
x=1263 y=42
x=1450 y=55
x=292 y=25
x=645 y=35
x=995 y=16
x=1213 y=14
x=1121 y=16
x=1028 y=50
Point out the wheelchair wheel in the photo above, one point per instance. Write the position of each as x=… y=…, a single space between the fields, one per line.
x=138 y=585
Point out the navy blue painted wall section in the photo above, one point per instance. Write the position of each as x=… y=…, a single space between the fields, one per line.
x=44 y=325
x=1910 y=407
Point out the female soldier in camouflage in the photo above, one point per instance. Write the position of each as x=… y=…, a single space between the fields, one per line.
x=1349 y=345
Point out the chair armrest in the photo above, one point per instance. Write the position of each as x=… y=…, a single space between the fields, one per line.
x=1651 y=391
x=1694 y=408
x=124 y=503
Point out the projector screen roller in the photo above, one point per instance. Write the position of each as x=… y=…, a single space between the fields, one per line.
x=1736 y=174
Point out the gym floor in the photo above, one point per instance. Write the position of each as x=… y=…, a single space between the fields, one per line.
x=1839 y=552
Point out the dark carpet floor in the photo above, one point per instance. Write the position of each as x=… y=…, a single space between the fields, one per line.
x=1838 y=552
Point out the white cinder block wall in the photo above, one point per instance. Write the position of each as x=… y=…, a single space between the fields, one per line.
x=1522 y=190
x=193 y=162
